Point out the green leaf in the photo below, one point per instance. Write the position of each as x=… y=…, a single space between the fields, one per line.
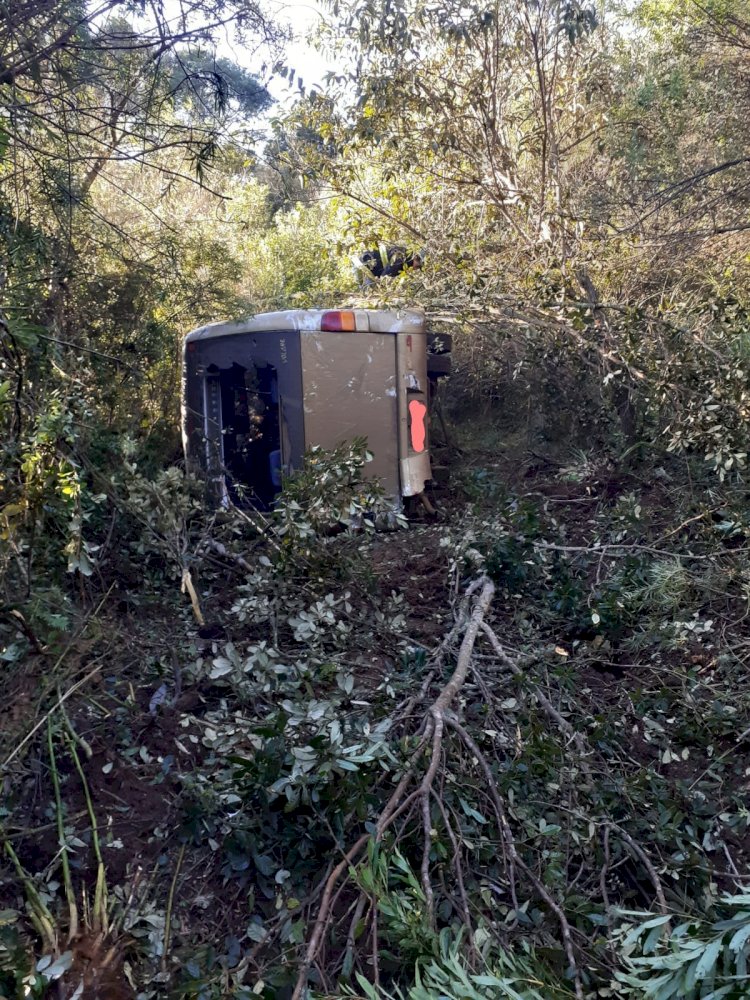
x=708 y=960
x=264 y=864
x=471 y=811
x=367 y=988
x=690 y=976
x=81 y=562
x=721 y=992
x=221 y=666
x=739 y=940
x=54 y=969
x=652 y=939
x=25 y=334
x=256 y=932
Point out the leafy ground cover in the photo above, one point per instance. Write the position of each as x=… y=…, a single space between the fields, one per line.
x=270 y=802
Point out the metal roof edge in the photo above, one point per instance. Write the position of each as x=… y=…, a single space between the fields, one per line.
x=377 y=321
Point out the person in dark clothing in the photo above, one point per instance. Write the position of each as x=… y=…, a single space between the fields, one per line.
x=386 y=262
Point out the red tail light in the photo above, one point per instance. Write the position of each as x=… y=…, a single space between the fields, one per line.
x=417 y=426
x=337 y=322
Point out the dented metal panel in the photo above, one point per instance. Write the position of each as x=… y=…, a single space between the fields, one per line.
x=400 y=321
x=331 y=387
x=350 y=390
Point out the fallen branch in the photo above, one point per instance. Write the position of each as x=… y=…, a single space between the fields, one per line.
x=222 y=551
x=541 y=697
x=585 y=750
x=432 y=728
x=418 y=795
x=187 y=585
x=517 y=860
x=647 y=864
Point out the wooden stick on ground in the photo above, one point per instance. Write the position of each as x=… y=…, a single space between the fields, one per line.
x=399 y=801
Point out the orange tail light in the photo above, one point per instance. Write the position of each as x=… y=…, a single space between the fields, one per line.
x=337 y=322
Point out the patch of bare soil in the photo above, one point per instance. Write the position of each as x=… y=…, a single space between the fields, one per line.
x=20 y=693
x=97 y=969
x=127 y=805
x=413 y=565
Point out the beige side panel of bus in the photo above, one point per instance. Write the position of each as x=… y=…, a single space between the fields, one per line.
x=349 y=390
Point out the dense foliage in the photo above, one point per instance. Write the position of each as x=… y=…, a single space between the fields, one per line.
x=497 y=755
x=580 y=181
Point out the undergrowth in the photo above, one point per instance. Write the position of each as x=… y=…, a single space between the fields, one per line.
x=170 y=826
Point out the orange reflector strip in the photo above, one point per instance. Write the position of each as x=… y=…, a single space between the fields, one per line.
x=337 y=322
x=417 y=414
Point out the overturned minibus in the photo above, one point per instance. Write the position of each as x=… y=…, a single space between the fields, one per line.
x=257 y=393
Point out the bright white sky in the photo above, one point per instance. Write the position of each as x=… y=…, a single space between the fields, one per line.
x=309 y=64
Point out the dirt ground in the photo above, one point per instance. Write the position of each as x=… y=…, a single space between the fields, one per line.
x=136 y=754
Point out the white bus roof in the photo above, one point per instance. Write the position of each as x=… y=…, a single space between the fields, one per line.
x=376 y=321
